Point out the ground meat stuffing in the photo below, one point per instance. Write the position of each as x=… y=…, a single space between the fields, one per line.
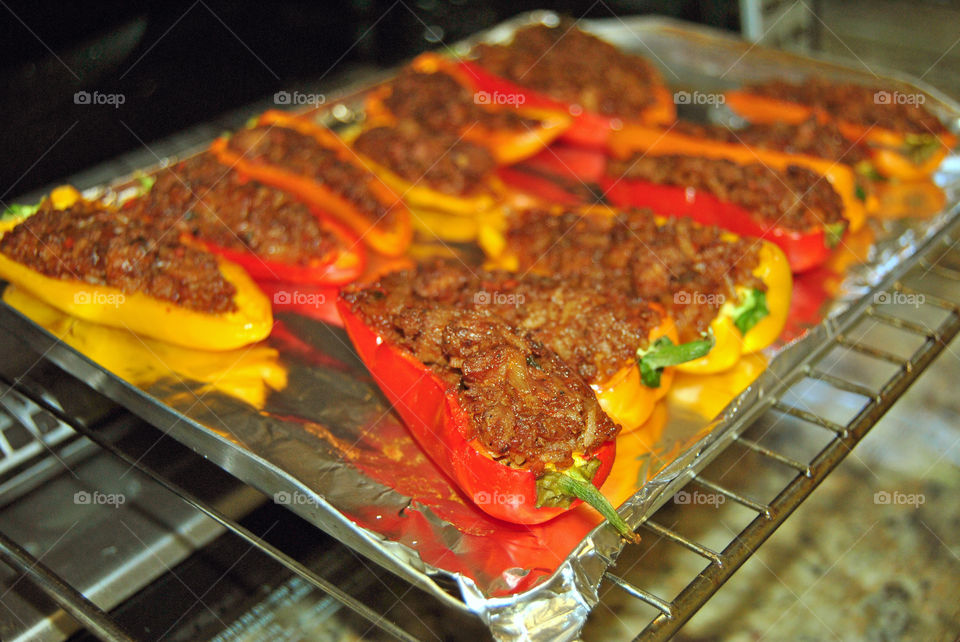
x=811 y=138
x=210 y=201
x=855 y=103
x=795 y=198
x=303 y=155
x=527 y=407
x=687 y=267
x=596 y=332
x=438 y=102
x=442 y=161
x=574 y=67
x=90 y=244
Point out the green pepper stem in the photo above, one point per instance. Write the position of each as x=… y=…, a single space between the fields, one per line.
x=833 y=233
x=18 y=210
x=920 y=147
x=664 y=353
x=752 y=309
x=589 y=493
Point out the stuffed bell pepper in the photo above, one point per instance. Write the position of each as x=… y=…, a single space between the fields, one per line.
x=273 y=236
x=518 y=431
x=295 y=155
x=792 y=208
x=651 y=141
x=623 y=348
x=106 y=266
x=449 y=184
x=438 y=95
x=562 y=67
x=905 y=140
x=710 y=282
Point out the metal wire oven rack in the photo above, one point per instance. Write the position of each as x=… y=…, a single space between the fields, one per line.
x=934 y=270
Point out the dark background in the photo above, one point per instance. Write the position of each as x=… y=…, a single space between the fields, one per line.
x=178 y=63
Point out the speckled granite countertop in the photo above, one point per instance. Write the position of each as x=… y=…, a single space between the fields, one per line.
x=873 y=554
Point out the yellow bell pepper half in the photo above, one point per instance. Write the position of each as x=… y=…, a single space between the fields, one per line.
x=731 y=342
x=707 y=395
x=247 y=374
x=252 y=320
x=151 y=317
x=625 y=398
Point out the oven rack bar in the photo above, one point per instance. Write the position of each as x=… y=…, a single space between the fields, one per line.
x=56 y=588
x=89 y=614
x=674 y=613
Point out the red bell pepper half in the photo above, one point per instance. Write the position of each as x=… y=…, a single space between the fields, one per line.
x=573 y=167
x=545 y=188
x=804 y=250
x=435 y=417
x=340 y=266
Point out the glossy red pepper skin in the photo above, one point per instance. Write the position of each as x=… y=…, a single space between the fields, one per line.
x=344 y=265
x=539 y=186
x=804 y=250
x=589 y=129
x=434 y=416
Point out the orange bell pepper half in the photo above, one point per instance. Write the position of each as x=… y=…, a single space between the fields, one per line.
x=894 y=154
x=387 y=235
x=506 y=146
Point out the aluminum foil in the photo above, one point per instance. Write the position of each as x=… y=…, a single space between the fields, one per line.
x=322 y=440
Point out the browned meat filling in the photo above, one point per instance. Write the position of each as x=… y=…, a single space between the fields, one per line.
x=795 y=198
x=303 y=155
x=574 y=67
x=822 y=140
x=216 y=204
x=89 y=244
x=854 y=103
x=596 y=332
x=438 y=102
x=441 y=161
x=682 y=265
x=526 y=406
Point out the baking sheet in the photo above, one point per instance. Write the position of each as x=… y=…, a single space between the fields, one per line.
x=326 y=444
